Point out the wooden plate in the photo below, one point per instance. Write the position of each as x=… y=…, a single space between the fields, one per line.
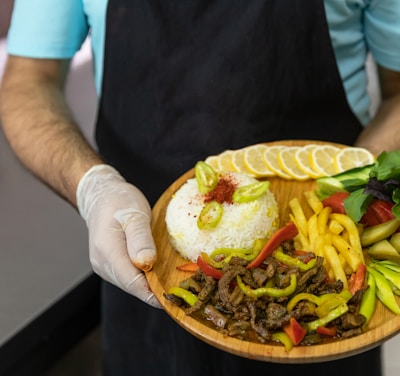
x=382 y=327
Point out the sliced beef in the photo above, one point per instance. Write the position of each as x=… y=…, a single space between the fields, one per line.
x=351 y=321
x=259 y=325
x=276 y=316
x=215 y=316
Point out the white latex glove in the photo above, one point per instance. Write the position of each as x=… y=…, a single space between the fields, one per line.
x=118 y=217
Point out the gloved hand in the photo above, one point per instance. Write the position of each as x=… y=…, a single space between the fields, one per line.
x=118 y=217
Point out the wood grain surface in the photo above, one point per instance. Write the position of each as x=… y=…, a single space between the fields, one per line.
x=164 y=275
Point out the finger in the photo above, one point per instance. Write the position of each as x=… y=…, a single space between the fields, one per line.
x=139 y=283
x=124 y=275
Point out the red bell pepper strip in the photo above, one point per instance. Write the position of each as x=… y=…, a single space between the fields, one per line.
x=284 y=233
x=304 y=256
x=327 y=331
x=189 y=267
x=378 y=211
x=357 y=280
x=336 y=202
x=207 y=269
x=295 y=331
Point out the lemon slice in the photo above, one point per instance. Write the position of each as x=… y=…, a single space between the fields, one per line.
x=351 y=157
x=323 y=159
x=286 y=158
x=212 y=160
x=238 y=162
x=303 y=160
x=271 y=159
x=254 y=160
x=225 y=161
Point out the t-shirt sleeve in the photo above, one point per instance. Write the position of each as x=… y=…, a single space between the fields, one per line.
x=382 y=32
x=47 y=29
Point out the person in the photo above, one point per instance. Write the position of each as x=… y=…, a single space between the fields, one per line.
x=178 y=81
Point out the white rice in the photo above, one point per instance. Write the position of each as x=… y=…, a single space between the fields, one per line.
x=239 y=226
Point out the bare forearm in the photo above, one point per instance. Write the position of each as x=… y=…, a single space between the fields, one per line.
x=383 y=133
x=41 y=131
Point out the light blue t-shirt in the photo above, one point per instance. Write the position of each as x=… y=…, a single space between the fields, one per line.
x=42 y=30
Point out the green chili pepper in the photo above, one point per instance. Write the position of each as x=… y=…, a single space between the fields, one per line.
x=332 y=315
x=344 y=296
x=250 y=192
x=184 y=294
x=270 y=291
x=368 y=300
x=390 y=264
x=328 y=305
x=226 y=254
x=293 y=261
x=393 y=267
x=210 y=216
x=206 y=177
x=384 y=291
x=283 y=338
x=302 y=296
x=388 y=273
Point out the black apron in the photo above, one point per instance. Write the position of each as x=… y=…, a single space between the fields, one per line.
x=185 y=79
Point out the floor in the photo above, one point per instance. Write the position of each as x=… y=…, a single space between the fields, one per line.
x=84 y=359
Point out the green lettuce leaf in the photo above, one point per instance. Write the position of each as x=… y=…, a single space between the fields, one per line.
x=356 y=204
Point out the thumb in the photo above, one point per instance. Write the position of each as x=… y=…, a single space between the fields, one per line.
x=139 y=239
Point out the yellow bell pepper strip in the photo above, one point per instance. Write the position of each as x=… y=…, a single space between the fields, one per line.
x=206 y=177
x=208 y=269
x=269 y=291
x=293 y=261
x=368 y=300
x=295 y=331
x=251 y=192
x=210 y=216
x=285 y=233
x=184 y=294
x=283 y=338
x=384 y=291
x=332 y=315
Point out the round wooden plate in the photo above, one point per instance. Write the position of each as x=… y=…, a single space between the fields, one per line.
x=164 y=275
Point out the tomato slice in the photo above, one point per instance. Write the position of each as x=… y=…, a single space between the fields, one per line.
x=378 y=211
x=336 y=202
